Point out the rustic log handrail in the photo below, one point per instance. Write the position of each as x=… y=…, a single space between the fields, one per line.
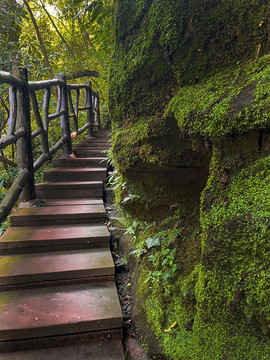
x=78 y=86
x=7 y=78
x=23 y=99
x=11 y=139
x=44 y=84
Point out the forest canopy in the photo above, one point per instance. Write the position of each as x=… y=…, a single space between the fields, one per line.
x=52 y=37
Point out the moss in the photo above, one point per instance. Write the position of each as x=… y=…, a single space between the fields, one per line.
x=227 y=341
x=172 y=317
x=235 y=100
x=235 y=243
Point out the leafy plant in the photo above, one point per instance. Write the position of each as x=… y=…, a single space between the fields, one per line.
x=159 y=249
x=39 y=173
x=130 y=198
x=4 y=226
x=7 y=177
x=163 y=260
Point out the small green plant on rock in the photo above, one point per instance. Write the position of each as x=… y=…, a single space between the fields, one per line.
x=159 y=250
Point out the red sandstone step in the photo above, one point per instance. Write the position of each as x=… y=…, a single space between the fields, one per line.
x=102 y=149
x=69 y=190
x=95 y=142
x=80 y=162
x=59 y=310
x=89 y=153
x=104 y=144
x=102 y=350
x=71 y=202
x=35 y=238
x=102 y=134
x=54 y=266
x=84 y=146
x=60 y=341
x=58 y=215
x=77 y=174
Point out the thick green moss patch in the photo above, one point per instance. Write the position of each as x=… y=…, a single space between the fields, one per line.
x=234 y=101
x=236 y=248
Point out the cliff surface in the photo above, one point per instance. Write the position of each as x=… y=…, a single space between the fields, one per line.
x=190 y=101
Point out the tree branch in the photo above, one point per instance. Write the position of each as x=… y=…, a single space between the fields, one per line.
x=82 y=73
x=6 y=161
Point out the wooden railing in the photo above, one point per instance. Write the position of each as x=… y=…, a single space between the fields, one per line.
x=23 y=99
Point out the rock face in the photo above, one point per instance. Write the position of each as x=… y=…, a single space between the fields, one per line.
x=189 y=98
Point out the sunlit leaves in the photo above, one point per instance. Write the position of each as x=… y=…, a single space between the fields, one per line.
x=10 y=21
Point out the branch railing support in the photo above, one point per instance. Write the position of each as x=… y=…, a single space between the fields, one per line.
x=97 y=111
x=24 y=144
x=65 y=125
x=90 y=113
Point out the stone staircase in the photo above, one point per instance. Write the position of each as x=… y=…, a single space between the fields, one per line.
x=58 y=298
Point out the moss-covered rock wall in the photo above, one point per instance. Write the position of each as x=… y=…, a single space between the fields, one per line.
x=190 y=105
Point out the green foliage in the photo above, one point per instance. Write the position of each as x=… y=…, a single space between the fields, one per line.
x=167 y=270
x=115 y=179
x=85 y=40
x=130 y=136
x=7 y=176
x=157 y=247
x=40 y=172
x=162 y=255
x=11 y=14
x=72 y=45
x=4 y=226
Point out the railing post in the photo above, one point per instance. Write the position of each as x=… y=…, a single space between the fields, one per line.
x=65 y=125
x=97 y=111
x=24 y=144
x=90 y=112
